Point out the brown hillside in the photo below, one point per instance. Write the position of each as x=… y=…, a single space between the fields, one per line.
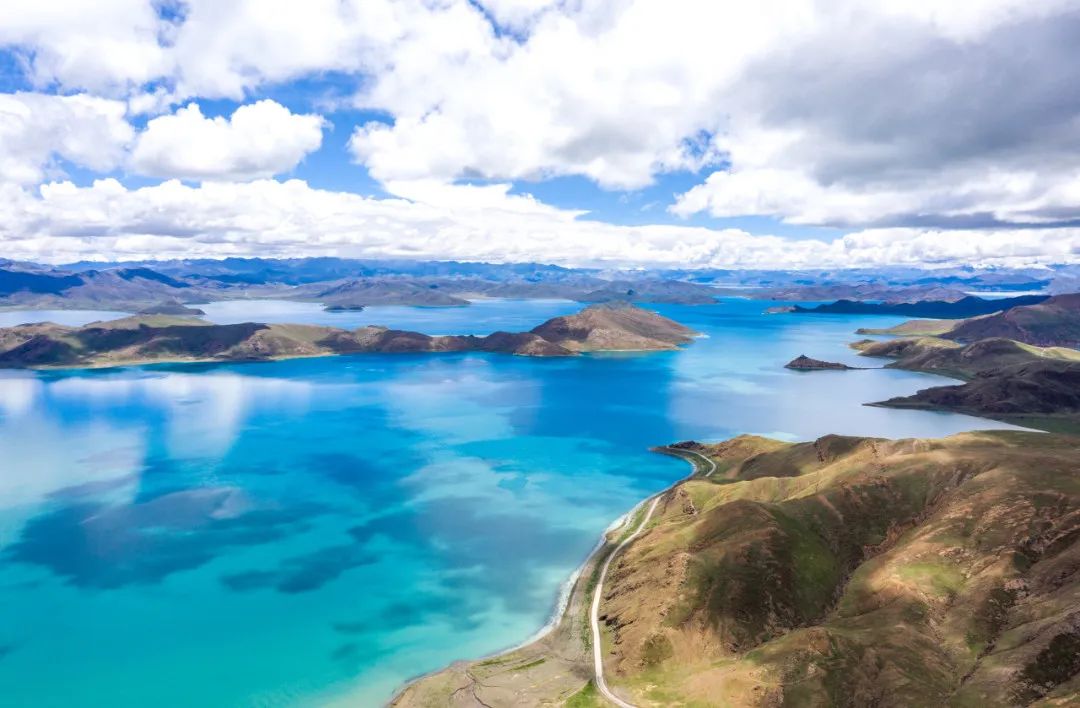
x=866 y=572
x=614 y=326
x=1053 y=323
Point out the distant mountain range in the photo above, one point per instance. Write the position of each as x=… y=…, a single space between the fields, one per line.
x=349 y=284
x=969 y=306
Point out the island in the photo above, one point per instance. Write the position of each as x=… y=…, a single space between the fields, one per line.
x=160 y=339
x=842 y=571
x=805 y=363
x=172 y=307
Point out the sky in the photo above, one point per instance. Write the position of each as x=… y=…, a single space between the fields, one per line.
x=630 y=133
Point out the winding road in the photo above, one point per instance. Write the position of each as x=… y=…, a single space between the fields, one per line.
x=594 y=612
x=710 y=463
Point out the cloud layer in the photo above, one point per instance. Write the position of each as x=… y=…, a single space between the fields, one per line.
x=273 y=218
x=896 y=119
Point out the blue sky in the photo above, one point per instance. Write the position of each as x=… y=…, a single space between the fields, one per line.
x=331 y=167
x=788 y=134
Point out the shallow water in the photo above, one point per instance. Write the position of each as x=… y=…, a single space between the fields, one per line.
x=301 y=532
x=72 y=318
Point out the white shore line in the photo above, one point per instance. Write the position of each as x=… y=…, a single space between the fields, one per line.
x=710 y=463
x=594 y=611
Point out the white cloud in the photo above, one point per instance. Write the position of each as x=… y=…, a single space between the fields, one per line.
x=989 y=197
x=896 y=113
x=108 y=46
x=259 y=140
x=517 y=15
x=270 y=218
x=37 y=129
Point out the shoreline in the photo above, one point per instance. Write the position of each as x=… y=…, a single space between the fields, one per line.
x=559 y=630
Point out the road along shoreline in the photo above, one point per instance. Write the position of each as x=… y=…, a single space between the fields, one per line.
x=556 y=663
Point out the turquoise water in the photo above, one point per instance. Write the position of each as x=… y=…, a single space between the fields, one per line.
x=318 y=531
x=73 y=318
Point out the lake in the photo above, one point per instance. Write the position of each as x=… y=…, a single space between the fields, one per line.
x=318 y=531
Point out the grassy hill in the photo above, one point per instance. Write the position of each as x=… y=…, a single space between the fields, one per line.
x=855 y=571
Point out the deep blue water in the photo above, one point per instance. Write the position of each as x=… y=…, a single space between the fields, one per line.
x=311 y=531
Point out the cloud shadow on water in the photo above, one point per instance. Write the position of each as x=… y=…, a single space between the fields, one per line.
x=303 y=573
x=98 y=545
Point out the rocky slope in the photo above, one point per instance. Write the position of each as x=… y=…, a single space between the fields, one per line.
x=160 y=339
x=855 y=571
x=1043 y=394
x=129 y=289
x=1052 y=323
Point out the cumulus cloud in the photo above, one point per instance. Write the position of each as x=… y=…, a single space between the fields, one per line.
x=259 y=140
x=915 y=118
x=63 y=222
x=38 y=129
x=109 y=47
x=901 y=117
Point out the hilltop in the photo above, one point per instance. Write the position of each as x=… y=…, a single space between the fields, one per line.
x=614 y=326
x=147 y=339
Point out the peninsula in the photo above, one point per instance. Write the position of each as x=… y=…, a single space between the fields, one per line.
x=1002 y=379
x=160 y=339
x=843 y=571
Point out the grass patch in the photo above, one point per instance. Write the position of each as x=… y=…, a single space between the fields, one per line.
x=587 y=697
x=531 y=664
x=937 y=578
